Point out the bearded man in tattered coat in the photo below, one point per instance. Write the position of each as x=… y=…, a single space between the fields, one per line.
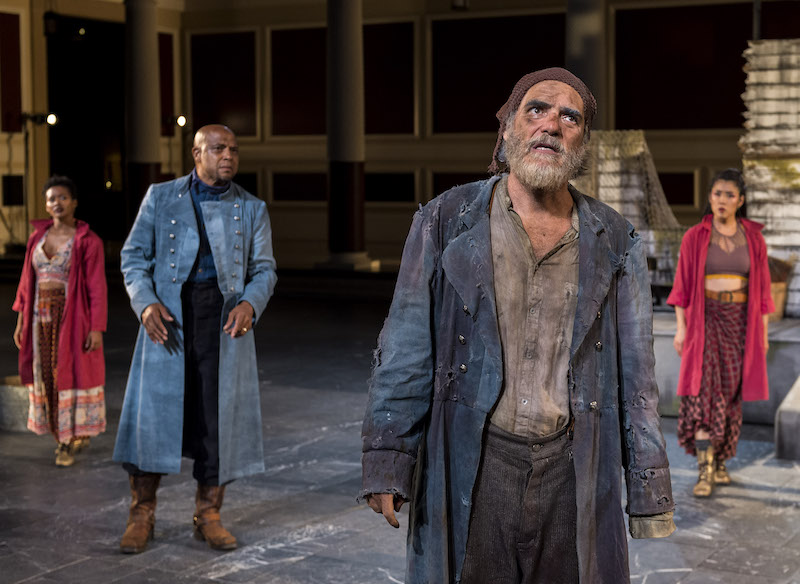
x=514 y=376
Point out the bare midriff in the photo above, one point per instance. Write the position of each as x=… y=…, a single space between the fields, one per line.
x=725 y=282
x=51 y=285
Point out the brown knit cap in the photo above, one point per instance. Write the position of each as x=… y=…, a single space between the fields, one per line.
x=521 y=88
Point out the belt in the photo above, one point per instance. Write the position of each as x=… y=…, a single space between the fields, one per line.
x=728 y=296
x=530 y=440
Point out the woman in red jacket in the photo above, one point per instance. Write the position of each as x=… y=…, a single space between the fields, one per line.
x=722 y=297
x=62 y=306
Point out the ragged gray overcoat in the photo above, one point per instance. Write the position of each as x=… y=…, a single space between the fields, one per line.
x=156 y=261
x=438 y=374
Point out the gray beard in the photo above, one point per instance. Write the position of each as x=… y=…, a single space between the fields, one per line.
x=537 y=176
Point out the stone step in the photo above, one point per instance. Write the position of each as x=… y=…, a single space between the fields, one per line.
x=13 y=404
x=787 y=425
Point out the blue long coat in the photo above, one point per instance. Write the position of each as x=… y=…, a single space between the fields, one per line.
x=156 y=260
x=438 y=373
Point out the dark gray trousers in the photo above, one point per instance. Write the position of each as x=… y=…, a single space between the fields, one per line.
x=523 y=524
x=202 y=307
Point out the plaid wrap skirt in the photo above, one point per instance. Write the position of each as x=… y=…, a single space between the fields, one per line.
x=717 y=408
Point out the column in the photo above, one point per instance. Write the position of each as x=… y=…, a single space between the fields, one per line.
x=345 y=121
x=142 y=127
x=587 y=51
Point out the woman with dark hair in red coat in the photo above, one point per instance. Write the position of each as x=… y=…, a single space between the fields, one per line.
x=62 y=306
x=722 y=298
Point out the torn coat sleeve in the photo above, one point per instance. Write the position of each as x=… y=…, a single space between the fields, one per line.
x=401 y=385
x=647 y=469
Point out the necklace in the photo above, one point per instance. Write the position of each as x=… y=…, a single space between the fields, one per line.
x=728 y=243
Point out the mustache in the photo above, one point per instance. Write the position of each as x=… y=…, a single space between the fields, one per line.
x=545 y=140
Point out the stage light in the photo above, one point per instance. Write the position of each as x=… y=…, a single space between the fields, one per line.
x=181 y=121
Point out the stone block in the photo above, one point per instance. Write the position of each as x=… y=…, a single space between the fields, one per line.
x=777 y=120
x=758 y=107
x=773 y=136
x=772 y=47
x=775 y=211
x=787 y=425
x=776 y=92
x=784 y=76
x=752 y=148
x=764 y=62
x=13 y=404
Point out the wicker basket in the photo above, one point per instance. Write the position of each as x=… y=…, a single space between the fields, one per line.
x=779 y=298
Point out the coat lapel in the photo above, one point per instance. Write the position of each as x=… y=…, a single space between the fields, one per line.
x=597 y=265
x=467 y=265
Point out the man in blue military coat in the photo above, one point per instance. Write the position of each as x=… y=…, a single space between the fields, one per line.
x=514 y=380
x=199 y=271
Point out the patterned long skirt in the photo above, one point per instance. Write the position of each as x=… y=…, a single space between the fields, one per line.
x=717 y=408
x=65 y=414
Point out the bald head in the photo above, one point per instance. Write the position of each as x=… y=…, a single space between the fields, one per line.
x=216 y=154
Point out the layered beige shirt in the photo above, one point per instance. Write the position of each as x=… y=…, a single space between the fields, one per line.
x=536 y=302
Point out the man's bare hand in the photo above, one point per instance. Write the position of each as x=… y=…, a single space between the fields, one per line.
x=153 y=319
x=386 y=504
x=240 y=320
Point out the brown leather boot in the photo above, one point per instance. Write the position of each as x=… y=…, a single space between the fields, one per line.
x=142 y=515
x=207 y=525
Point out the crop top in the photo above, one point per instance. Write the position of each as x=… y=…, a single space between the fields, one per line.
x=728 y=254
x=56 y=268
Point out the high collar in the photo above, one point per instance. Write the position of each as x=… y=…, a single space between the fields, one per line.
x=42 y=225
x=203 y=187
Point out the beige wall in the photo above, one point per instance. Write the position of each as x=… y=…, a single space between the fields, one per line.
x=34 y=98
x=301 y=228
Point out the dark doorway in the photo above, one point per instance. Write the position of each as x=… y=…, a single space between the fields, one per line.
x=85 y=60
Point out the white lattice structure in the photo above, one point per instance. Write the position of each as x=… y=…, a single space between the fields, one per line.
x=621 y=173
x=771 y=150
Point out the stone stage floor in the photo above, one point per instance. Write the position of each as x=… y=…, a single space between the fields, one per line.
x=298 y=523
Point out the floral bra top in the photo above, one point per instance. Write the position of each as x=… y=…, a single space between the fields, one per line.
x=56 y=268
